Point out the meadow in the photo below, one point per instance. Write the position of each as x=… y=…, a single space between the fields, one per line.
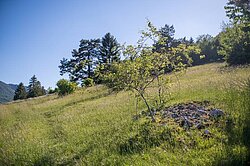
x=93 y=126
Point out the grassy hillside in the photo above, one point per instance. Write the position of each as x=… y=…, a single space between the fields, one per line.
x=6 y=92
x=90 y=126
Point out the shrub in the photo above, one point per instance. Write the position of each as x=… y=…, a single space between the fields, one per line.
x=65 y=87
x=88 y=82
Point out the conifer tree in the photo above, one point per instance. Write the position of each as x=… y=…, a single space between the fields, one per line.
x=83 y=61
x=109 y=49
x=35 y=89
x=20 y=92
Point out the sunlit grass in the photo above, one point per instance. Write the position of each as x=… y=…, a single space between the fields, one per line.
x=88 y=127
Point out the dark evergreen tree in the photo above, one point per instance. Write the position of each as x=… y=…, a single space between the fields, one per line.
x=83 y=61
x=209 y=48
x=191 y=41
x=109 y=49
x=20 y=92
x=166 y=38
x=35 y=89
x=109 y=53
x=238 y=10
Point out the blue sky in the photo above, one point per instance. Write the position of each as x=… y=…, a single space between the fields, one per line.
x=36 y=34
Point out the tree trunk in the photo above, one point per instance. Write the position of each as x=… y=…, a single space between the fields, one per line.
x=149 y=109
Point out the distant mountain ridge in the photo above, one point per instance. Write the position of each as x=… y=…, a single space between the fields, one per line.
x=13 y=86
x=7 y=91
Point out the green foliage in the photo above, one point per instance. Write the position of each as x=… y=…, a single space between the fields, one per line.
x=209 y=46
x=109 y=53
x=91 y=54
x=51 y=91
x=109 y=50
x=20 y=92
x=88 y=82
x=238 y=10
x=65 y=87
x=143 y=66
x=166 y=38
x=235 y=40
x=83 y=61
x=235 y=45
x=35 y=89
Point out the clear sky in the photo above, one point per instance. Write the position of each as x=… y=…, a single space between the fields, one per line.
x=36 y=34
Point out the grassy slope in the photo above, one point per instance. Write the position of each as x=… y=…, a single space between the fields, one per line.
x=87 y=127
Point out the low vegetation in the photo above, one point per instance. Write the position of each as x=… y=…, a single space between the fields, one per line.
x=93 y=126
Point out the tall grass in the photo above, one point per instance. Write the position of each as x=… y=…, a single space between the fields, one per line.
x=94 y=127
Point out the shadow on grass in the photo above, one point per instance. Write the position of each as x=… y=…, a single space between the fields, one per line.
x=237 y=128
x=149 y=135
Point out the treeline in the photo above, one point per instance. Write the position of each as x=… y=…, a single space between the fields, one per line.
x=235 y=36
x=91 y=54
x=34 y=89
x=94 y=57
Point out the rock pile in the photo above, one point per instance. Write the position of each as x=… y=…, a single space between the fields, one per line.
x=191 y=115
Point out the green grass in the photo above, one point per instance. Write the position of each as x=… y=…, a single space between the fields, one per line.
x=91 y=126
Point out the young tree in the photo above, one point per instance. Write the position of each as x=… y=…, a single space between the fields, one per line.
x=144 y=66
x=20 y=92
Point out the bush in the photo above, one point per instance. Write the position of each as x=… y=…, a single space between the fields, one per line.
x=88 y=82
x=65 y=87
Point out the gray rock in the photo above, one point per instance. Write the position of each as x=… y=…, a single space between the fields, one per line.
x=199 y=126
x=207 y=132
x=216 y=113
x=174 y=115
x=201 y=112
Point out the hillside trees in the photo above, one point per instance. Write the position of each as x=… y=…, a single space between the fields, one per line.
x=166 y=39
x=209 y=47
x=235 y=45
x=109 y=50
x=83 y=61
x=235 y=40
x=91 y=54
x=20 y=92
x=238 y=10
x=35 y=89
x=109 y=53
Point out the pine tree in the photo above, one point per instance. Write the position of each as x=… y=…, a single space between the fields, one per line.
x=35 y=89
x=109 y=49
x=83 y=61
x=20 y=92
x=166 y=39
